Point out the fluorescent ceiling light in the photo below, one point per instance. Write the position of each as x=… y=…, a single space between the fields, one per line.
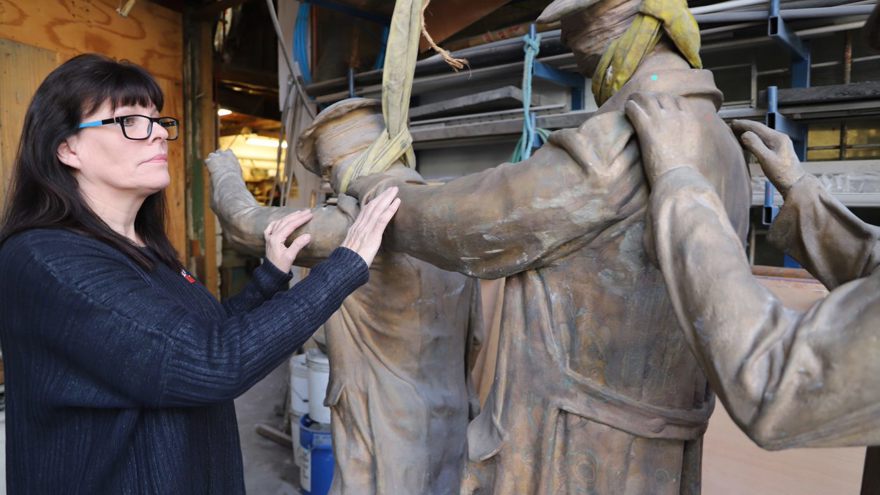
x=223 y=112
x=265 y=142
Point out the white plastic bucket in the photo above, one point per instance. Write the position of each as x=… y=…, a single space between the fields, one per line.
x=299 y=385
x=319 y=377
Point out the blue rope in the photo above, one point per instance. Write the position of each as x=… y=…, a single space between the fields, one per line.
x=532 y=46
x=301 y=41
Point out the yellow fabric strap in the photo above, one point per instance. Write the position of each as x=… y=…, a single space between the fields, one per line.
x=397 y=78
x=624 y=55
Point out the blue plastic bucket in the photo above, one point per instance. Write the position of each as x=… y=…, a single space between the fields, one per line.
x=316 y=473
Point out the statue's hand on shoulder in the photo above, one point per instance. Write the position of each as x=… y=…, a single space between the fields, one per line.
x=774 y=152
x=669 y=132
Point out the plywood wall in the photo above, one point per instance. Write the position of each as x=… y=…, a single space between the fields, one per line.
x=22 y=68
x=38 y=35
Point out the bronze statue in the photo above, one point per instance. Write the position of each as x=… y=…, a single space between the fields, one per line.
x=788 y=378
x=596 y=390
x=398 y=390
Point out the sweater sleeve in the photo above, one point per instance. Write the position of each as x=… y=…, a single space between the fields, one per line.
x=126 y=342
x=266 y=281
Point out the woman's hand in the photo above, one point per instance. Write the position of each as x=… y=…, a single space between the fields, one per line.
x=276 y=234
x=365 y=234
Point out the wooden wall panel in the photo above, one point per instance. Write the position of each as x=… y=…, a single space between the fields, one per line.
x=22 y=68
x=149 y=36
x=176 y=192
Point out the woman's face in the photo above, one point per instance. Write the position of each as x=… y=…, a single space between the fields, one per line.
x=109 y=165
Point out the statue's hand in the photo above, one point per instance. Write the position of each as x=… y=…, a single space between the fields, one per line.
x=774 y=152
x=222 y=161
x=365 y=234
x=276 y=234
x=669 y=132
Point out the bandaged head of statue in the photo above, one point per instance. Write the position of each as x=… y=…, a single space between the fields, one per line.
x=338 y=136
x=610 y=38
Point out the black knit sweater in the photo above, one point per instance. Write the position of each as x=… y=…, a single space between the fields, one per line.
x=121 y=380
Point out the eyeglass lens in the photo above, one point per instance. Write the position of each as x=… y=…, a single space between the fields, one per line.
x=140 y=127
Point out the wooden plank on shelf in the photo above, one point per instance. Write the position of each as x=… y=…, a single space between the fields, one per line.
x=150 y=36
x=507 y=97
x=868 y=90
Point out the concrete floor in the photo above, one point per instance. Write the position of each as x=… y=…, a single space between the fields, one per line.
x=268 y=467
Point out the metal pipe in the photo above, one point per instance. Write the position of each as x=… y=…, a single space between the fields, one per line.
x=788 y=14
x=725 y=6
x=830 y=29
x=739 y=4
x=804 y=4
x=760 y=5
x=819 y=65
x=726 y=28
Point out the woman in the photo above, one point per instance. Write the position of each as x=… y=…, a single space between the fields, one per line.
x=121 y=369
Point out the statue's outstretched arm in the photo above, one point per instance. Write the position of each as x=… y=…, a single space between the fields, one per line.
x=517 y=216
x=244 y=220
x=788 y=378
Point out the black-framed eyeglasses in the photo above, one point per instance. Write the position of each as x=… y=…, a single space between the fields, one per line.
x=139 y=127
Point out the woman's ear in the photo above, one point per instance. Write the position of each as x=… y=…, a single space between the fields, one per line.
x=67 y=153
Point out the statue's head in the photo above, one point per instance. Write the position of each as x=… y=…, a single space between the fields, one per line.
x=338 y=135
x=588 y=26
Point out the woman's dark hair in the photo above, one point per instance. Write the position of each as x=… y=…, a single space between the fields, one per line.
x=44 y=192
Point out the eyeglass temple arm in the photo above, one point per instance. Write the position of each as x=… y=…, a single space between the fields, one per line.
x=97 y=123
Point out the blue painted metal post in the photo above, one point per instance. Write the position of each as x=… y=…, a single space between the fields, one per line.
x=800 y=50
x=800 y=78
x=798 y=134
x=564 y=78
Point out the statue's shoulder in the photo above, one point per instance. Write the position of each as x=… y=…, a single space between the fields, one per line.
x=596 y=136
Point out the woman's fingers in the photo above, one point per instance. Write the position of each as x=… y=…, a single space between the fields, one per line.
x=277 y=251
x=365 y=235
x=292 y=222
x=296 y=246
